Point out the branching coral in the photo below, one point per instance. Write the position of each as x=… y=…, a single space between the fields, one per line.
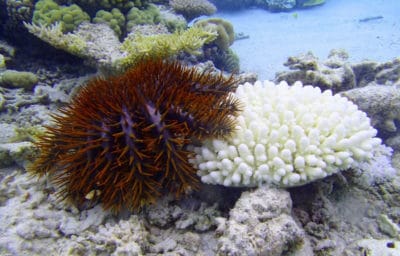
x=288 y=135
x=54 y=35
x=164 y=45
x=98 y=44
x=122 y=140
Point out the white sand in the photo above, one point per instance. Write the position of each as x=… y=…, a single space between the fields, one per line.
x=334 y=25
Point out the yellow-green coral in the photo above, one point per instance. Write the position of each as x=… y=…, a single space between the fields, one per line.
x=108 y=4
x=54 y=35
x=2 y=61
x=223 y=28
x=135 y=16
x=48 y=12
x=29 y=133
x=93 y=6
x=164 y=45
x=18 y=79
x=95 y=43
x=115 y=19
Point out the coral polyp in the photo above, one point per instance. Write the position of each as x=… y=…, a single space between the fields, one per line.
x=122 y=140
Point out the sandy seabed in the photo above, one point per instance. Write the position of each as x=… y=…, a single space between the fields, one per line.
x=273 y=37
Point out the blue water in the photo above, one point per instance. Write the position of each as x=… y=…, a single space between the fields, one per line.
x=334 y=25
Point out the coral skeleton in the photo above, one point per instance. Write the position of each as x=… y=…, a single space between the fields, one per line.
x=288 y=136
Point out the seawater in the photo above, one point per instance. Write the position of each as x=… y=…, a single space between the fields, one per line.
x=366 y=29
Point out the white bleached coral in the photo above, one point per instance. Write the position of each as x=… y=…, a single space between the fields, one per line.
x=287 y=135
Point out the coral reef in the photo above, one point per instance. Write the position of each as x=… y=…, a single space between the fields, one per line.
x=335 y=73
x=276 y=5
x=173 y=21
x=48 y=12
x=100 y=46
x=227 y=61
x=122 y=140
x=34 y=222
x=93 y=6
x=382 y=104
x=115 y=19
x=260 y=224
x=372 y=86
x=271 y=5
x=191 y=9
x=218 y=50
x=135 y=16
x=12 y=15
x=349 y=213
x=289 y=136
x=15 y=153
x=54 y=35
x=338 y=214
x=18 y=79
x=138 y=47
x=223 y=28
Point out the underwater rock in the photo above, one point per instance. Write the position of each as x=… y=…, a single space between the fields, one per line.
x=382 y=105
x=172 y=20
x=104 y=46
x=7 y=132
x=35 y=222
x=125 y=237
x=337 y=211
x=61 y=91
x=277 y=5
x=335 y=73
x=386 y=73
x=18 y=79
x=188 y=214
x=260 y=224
x=15 y=153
